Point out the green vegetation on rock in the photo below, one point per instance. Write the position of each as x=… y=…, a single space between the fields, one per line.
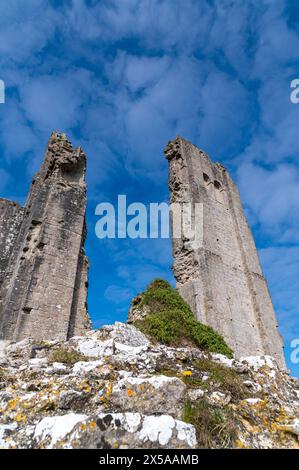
x=226 y=379
x=67 y=356
x=215 y=427
x=171 y=321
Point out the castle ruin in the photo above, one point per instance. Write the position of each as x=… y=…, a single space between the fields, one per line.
x=221 y=280
x=44 y=269
x=43 y=266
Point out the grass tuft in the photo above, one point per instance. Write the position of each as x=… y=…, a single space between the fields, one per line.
x=215 y=427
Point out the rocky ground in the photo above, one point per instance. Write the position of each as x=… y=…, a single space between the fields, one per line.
x=113 y=388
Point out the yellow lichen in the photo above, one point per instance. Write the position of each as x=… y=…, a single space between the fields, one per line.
x=84 y=386
x=20 y=418
x=240 y=445
x=109 y=389
x=12 y=404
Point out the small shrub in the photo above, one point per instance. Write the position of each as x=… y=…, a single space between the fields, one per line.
x=172 y=322
x=67 y=356
x=215 y=427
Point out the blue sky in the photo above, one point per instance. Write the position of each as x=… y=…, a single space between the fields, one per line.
x=121 y=78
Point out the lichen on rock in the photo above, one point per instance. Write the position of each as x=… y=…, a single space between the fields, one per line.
x=131 y=392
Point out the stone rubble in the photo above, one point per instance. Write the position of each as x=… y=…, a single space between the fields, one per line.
x=122 y=391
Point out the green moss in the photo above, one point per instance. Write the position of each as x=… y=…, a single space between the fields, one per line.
x=215 y=427
x=227 y=380
x=167 y=372
x=67 y=356
x=44 y=344
x=194 y=382
x=172 y=322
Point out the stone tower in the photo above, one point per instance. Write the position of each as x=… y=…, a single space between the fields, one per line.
x=221 y=280
x=43 y=267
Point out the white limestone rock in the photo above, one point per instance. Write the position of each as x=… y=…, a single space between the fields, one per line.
x=257 y=362
x=195 y=394
x=84 y=367
x=156 y=394
x=94 y=348
x=5 y=430
x=37 y=363
x=291 y=427
x=132 y=430
x=52 y=429
x=131 y=393
x=125 y=334
x=219 y=398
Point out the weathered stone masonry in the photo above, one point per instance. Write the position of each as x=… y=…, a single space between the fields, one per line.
x=222 y=280
x=43 y=267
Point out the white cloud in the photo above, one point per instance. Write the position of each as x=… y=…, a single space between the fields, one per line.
x=273 y=194
x=144 y=72
x=53 y=102
x=25 y=27
x=168 y=105
x=156 y=24
x=16 y=135
x=281 y=266
x=222 y=126
x=118 y=294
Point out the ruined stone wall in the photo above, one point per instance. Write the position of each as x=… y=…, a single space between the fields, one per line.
x=44 y=286
x=11 y=216
x=221 y=280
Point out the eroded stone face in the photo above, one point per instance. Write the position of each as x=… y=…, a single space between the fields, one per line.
x=43 y=268
x=221 y=280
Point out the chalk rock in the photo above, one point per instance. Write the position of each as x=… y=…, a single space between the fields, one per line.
x=157 y=394
x=131 y=430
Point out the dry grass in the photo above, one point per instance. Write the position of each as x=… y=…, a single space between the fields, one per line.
x=66 y=356
x=215 y=427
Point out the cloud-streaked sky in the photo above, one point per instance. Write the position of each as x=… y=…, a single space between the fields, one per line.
x=121 y=78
